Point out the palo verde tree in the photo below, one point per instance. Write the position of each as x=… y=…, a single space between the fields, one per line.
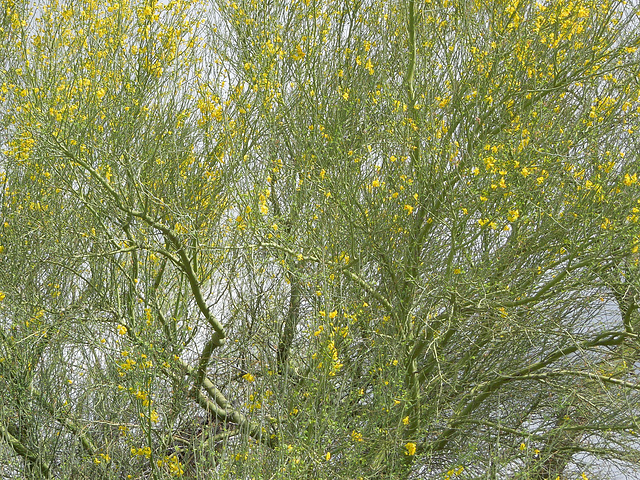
x=319 y=239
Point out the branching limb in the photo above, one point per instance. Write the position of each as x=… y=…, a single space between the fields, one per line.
x=18 y=447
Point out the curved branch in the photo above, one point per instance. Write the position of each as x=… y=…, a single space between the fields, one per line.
x=18 y=447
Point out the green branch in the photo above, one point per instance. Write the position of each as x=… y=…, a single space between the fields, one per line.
x=18 y=447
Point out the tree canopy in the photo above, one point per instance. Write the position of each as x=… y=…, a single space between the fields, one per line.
x=319 y=239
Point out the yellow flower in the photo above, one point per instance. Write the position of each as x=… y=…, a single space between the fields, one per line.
x=2 y=295
x=523 y=446
x=122 y=330
x=410 y=448
x=409 y=209
x=630 y=179
x=248 y=377
x=405 y=420
x=369 y=66
x=375 y=183
x=299 y=53
x=328 y=456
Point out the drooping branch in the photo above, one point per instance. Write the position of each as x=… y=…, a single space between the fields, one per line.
x=184 y=261
x=482 y=391
x=290 y=323
x=222 y=408
x=64 y=418
x=18 y=447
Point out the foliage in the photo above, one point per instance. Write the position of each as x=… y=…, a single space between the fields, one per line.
x=319 y=239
